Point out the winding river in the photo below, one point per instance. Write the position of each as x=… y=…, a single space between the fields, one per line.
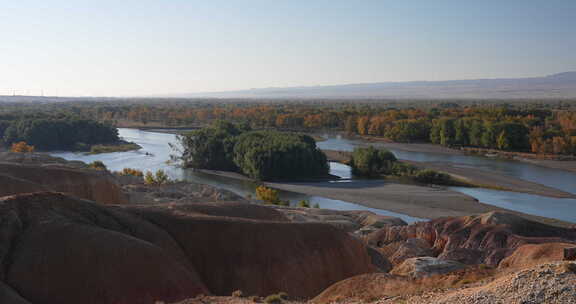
x=155 y=154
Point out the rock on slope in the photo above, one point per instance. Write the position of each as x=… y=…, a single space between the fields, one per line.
x=481 y=239
x=533 y=254
x=426 y=266
x=59 y=249
x=25 y=172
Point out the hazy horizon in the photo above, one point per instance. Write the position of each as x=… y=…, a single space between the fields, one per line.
x=143 y=48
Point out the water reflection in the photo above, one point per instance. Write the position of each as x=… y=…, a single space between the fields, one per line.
x=558 y=208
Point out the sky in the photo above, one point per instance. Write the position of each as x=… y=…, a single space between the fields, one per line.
x=156 y=47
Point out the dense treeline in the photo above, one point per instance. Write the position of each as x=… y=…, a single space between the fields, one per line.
x=547 y=127
x=263 y=155
x=57 y=133
x=523 y=129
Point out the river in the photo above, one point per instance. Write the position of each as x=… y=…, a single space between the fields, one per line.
x=563 y=209
x=155 y=154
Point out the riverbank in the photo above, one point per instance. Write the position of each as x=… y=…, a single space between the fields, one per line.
x=566 y=165
x=411 y=200
x=473 y=176
x=120 y=147
x=416 y=201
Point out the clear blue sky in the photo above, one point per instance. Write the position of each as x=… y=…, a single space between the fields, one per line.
x=146 y=47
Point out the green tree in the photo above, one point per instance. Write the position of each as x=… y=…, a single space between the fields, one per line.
x=372 y=162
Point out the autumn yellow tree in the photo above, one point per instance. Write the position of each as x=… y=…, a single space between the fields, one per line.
x=22 y=147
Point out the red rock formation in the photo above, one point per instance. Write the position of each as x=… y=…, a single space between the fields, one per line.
x=59 y=249
x=89 y=184
x=533 y=254
x=363 y=288
x=486 y=238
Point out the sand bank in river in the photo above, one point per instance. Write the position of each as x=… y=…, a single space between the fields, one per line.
x=417 y=201
x=475 y=176
x=412 y=200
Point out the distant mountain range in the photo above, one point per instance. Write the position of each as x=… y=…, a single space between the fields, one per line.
x=562 y=85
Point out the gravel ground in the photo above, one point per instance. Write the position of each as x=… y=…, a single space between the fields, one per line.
x=547 y=283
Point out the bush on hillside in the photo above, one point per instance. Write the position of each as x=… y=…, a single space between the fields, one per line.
x=131 y=172
x=158 y=178
x=98 y=165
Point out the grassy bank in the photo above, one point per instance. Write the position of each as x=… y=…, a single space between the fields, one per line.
x=122 y=147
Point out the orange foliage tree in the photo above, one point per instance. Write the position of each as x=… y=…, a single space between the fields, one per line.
x=22 y=147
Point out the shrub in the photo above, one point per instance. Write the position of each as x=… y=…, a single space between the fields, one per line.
x=22 y=147
x=276 y=298
x=132 y=172
x=268 y=195
x=428 y=176
x=98 y=165
x=404 y=169
x=304 y=204
x=149 y=178
x=316 y=205
x=158 y=178
x=161 y=177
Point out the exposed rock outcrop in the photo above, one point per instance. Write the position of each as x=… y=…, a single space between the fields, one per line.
x=60 y=249
x=360 y=222
x=31 y=172
x=481 y=239
x=426 y=266
x=398 y=252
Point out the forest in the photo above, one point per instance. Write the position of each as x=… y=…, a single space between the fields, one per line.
x=47 y=133
x=544 y=127
x=262 y=155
